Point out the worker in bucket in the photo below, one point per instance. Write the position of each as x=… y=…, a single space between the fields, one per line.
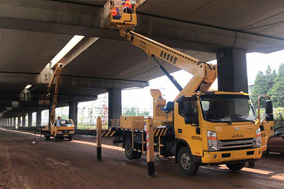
x=127 y=7
x=115 y=13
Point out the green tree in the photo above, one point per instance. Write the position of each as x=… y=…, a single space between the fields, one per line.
x=260 y=87
x=276 y=92
x=143 y=113
x=130 y=112
x=270 y=77
x=263 y=83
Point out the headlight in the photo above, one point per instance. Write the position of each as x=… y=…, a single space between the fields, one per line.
x=258 y=138
x=212 y=141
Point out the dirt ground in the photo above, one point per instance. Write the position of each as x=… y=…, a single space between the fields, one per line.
x=64 y=164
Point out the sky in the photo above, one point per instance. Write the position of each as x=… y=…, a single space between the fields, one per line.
x=142 y=98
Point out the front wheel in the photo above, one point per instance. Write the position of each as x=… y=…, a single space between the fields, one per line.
x=236 y=166
x=186 y=162
x=266 y=152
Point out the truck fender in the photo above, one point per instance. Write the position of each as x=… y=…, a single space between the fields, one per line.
x=177 y=146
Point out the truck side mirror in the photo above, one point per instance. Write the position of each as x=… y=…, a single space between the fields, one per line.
x=268 y=111
x=268 y=107
x=269 y=117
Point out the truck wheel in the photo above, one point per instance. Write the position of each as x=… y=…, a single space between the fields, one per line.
x=69 y=138
x=266 y=152
x=236 y=166
x=186 y=162
x=47 y=137
x=137 y=155
x=129 y=152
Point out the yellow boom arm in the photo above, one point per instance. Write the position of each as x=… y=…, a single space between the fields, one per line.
x=203 y=74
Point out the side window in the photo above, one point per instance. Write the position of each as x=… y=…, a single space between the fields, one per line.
x=188 y=109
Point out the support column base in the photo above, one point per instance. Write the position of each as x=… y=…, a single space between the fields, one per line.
x=99 y=153
x=151 y=169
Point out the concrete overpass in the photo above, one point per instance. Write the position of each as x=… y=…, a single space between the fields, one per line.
x=33 y=32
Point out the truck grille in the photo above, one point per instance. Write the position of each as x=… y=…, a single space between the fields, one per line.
x=238 y=144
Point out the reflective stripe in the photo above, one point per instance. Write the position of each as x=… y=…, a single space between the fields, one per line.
x=108 y=133
x=165 y=132
x=158 y=130
x=112 y=133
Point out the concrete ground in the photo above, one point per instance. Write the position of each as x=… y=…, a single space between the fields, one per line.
x=64 y=164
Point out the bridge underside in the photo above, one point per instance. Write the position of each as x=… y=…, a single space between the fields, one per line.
x=32 y=32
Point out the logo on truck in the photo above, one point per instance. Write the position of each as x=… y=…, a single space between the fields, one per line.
x=237 y=135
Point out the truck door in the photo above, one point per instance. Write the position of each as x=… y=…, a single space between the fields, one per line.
x=187 y=126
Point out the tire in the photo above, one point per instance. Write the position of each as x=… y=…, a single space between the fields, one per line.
x=236 y=166
x=129 y=152
x=69 y=138
x=47 y=137
x=54 y=138
x=186 y=162
x=137 y=155
x=251 y=164
x=266 y=152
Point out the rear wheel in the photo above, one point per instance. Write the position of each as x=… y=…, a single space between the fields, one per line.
x=186 y=162
x=54 y=138
x=47 y=137
x=129 y=152
x=138 y=155
x=236 y=166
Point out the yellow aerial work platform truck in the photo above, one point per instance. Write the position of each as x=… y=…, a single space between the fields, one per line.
x=58 y=129
x=200 y=126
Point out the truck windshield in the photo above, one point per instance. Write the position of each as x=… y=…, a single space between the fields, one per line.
x=227 y=108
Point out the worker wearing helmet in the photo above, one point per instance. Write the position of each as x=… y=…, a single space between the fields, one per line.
x=127 y=7
x=115 y=13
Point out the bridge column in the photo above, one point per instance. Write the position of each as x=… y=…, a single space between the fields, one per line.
x=24 y=120
x=19 y=121
x=10 y=122
x=14 y=122
x=38 y=118
x=232 y=70
x=114 y=104
x=73 y=112
x=30 y=119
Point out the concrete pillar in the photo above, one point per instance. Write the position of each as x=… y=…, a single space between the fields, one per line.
x=14 y=123
x=38 y=118
x=30 y=119
x=114 y=104
x=24 y=120
x=232 y=70
x=19 y=121
x=73 y=112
